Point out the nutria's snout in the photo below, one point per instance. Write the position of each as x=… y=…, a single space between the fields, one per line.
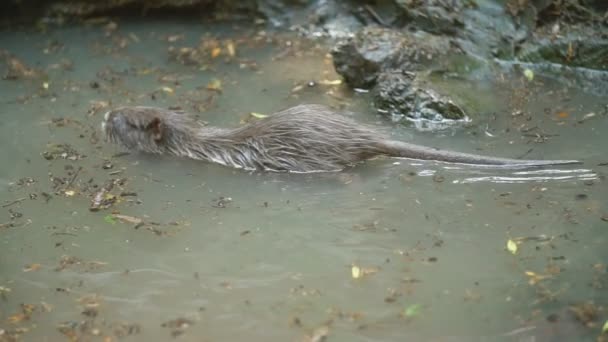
x=112 y=124
x=134 y=128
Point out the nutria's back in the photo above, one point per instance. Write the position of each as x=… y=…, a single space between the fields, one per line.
x=299 y=139
x=304 y=138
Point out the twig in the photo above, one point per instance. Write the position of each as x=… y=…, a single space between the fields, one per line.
x=73 y=178
x=375 y=15
x=19 y=200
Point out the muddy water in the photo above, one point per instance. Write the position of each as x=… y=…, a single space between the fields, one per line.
x=225 y=255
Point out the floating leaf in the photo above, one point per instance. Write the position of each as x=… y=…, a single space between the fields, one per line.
x=258 y=115
x=168 y=90
x=16 y=318
x=146 y=71
x=529 y=74
x=330 y=82
x=512 y=246
x=412 y=310
x=215 y=85
x=109 y=219
x=355 y=272
x=587 y=116
x=563 y=115
x=70 y=193
x=319 y=335
x=231 y=49
x=45 y=85
x=32 y=267
x=216 y=52
x=127 y=219
x=535 y=278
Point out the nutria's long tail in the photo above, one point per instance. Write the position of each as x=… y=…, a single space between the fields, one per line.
x=401 y=149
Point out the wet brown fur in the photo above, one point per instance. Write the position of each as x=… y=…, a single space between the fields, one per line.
x=304 y=138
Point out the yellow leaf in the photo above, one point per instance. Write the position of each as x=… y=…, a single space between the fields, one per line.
x=128 y=219
x=215 y=85
x=356 y=272
x=70 y=193
x=231 y=49
x=216 y=52
x=145 y=71
x=535 y=278
x=32 y=267
x=16 y=318
x=529 y=74
x=258 y=115
x=512 y=246
x=330 y=82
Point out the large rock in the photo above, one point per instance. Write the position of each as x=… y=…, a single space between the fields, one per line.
x=403 y=96
x=436 y=16
x=373 y=49
x=575 y=50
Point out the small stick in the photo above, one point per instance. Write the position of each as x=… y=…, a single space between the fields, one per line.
x=73 y=177
x=19 y=200
x=375 y=15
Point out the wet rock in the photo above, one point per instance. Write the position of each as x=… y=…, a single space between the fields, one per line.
x=15 y=68
x=330 y=19
x=277 y=12
x=403 y=96
x=360 y=59
x=342 y=19
x=84 y=8
x=572 y=51
x=436 y=16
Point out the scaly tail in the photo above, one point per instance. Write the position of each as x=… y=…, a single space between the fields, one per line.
x=401 y=149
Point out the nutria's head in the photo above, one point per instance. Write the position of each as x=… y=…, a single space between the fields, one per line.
x=137 y=128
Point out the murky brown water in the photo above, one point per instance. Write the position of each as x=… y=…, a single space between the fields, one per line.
x=227 y=255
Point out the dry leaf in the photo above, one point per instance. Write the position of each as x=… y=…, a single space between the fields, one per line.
x=330 y=82
x=167 y=90
x=529 y=74
x=535 y=278
x=355 y=272
x=231 y=48
x=17 y=318
x=512 y=246
x=215 y=85
x=128 y=219
x=32 y=267
x=216 y=52
x=258 y=115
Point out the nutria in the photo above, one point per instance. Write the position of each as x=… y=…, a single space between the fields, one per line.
x=304 y=138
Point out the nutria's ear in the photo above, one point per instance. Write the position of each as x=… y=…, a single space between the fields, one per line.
x=156 y=128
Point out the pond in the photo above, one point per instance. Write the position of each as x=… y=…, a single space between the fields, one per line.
x=385 y=251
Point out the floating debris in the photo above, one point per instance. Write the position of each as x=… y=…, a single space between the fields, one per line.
x=103 y=199
x=512 y=246
x=178 y=326
x=128 y=219
x=61 y=151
